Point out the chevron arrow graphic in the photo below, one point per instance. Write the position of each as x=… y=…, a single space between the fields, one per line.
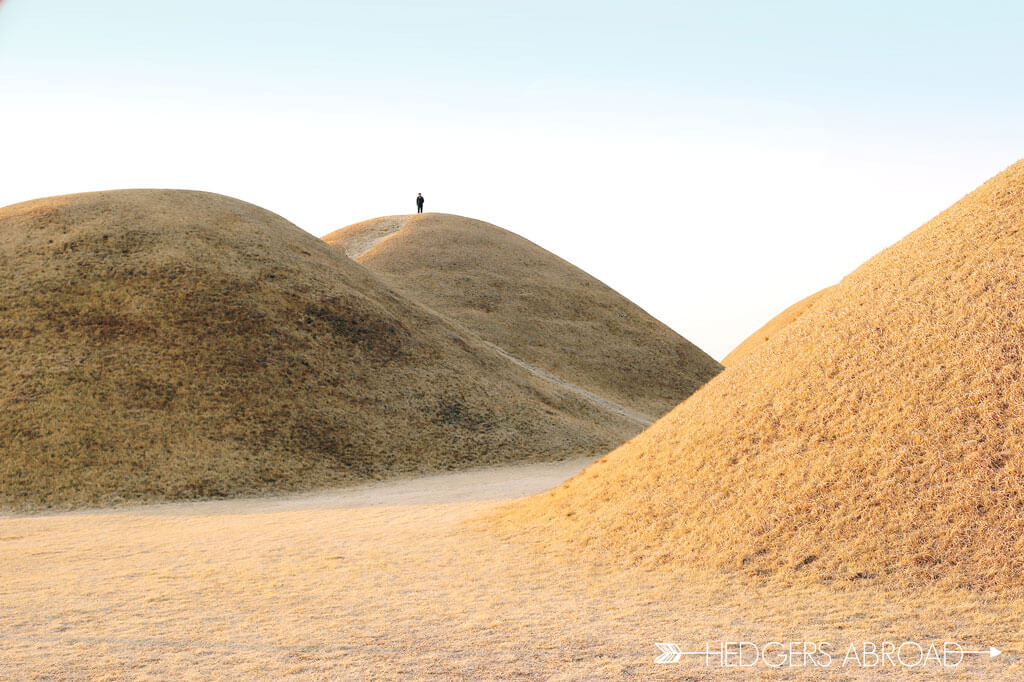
x=671 y=653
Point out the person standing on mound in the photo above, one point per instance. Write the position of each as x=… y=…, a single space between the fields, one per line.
x=419 y=203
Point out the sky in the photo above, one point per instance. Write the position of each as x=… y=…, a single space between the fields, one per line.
x=712 y=161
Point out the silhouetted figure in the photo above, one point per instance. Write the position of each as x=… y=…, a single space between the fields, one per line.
x=419 y=203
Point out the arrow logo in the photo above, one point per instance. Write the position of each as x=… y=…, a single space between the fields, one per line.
x=671 y=653
x=991 y=651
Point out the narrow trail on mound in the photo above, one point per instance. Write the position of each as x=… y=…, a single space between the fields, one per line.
x=632 y=415
x=388 y=228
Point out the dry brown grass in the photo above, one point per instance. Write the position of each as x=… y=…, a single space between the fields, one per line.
x=771 y=328
x=299 y=589
x=165 y=344
x=532 y=304
x=876 y=439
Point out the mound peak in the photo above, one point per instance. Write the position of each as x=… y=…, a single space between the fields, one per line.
x=879 y=434
x=533 y=306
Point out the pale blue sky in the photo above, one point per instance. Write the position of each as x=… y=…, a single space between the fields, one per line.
x=714 y=161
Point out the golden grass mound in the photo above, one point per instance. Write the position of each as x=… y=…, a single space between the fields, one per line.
x=168 y=344
x=533 y=305
x=880 y=434
x=771 y=328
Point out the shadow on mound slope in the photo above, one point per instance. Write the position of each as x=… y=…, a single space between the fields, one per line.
x=533 y=305
x=167 y=344
x=880 y=434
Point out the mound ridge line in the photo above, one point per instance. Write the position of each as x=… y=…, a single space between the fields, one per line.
x=771 y=328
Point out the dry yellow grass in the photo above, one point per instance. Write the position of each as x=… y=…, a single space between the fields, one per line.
x=877 y=438
x=166 y=344
x=533 y=305
x=771 y=328
x=311 y=588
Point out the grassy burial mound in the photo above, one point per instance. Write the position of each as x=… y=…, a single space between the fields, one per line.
x=166 y=344
x=880 y=434
x=533 y=305
x=771 y=328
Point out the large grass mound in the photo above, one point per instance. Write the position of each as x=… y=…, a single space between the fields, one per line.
x=166 y=344
x=879 y=434
x=533 y=305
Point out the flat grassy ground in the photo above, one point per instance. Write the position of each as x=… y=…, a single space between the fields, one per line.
x=406 y=579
